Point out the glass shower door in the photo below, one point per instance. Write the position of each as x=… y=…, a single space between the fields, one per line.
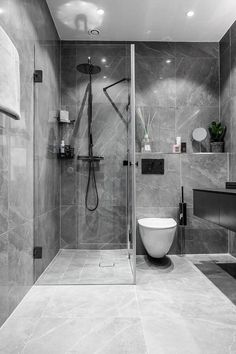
x=131 y=169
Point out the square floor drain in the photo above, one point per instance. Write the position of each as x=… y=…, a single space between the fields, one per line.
x=106 y=264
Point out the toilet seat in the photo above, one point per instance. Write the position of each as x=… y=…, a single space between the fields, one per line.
x=158 y=223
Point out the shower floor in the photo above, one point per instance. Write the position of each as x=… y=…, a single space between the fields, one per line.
x=88 y=267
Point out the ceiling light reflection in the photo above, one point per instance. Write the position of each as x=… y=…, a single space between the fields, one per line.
x=79 y=15
x=190 y=13
x=100 y=12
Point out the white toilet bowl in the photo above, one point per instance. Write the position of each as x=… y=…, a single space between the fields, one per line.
x=157 y=235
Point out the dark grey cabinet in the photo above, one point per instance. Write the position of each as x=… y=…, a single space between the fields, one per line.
x=218 y=207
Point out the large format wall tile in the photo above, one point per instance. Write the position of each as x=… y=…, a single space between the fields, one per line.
x=197 y=82
x=203 y=171
x=159 y=190
x=20 y=263
x=47 y=236
x=4 y=310
x=30 y=26
x=69 y=226
x=190 y=117
x=107 y=226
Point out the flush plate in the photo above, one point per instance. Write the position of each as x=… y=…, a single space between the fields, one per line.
x=153 y=167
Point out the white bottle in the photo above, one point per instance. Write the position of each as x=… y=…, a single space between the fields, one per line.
x=62 y=147
x=146 y=144
x=177 y=146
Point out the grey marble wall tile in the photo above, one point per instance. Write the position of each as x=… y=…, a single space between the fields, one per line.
x=107 y=225
x=161 y=127
x=4 y=141
x=4 y=211
x=197 y=50
x=233 y=61
x=47 y=167
x=225 y=73
x=68 y=182
x=4 y=311
x=47 y=236
x=233 y=124
x=155 y=49
x=155 y=81
x=232 y=166
x=114 y=69
x=20 y=263
x=225 y=42
x=30 y=27
x=226 y=119
x=69 y=226
x=159 y=190
x=197 y=82
x=206 y=241
x=203 y=170
x=190 y=117
x=21 y=181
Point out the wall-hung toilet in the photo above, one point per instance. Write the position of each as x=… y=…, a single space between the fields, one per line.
x=157 y=235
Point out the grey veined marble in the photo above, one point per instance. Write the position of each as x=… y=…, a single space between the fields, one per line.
x=173 y=308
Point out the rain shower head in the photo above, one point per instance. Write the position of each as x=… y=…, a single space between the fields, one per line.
x=88 y=68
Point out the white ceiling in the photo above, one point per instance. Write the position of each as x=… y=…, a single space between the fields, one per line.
x=143 y=20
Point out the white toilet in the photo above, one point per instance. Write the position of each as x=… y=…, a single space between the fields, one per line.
x=157 y=235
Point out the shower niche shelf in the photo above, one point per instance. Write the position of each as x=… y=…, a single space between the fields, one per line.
x=89 y=158
x=68 y=154
x=66 y=123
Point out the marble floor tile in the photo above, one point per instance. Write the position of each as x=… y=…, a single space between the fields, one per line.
x=87 y=301
x=83 y=267
x=86 y=336
x=174 y=308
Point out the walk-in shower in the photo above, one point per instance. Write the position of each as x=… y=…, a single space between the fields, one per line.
x=97 y=209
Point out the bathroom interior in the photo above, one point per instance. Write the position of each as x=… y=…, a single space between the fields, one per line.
x=118 y=177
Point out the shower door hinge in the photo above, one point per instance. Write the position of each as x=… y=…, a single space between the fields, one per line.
x=38 y=252
x=38 y=76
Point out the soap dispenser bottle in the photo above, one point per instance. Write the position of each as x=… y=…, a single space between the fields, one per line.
x=146 y=143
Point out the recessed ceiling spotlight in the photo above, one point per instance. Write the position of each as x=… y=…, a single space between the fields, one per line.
x=94 y=32
x=1 y=11
x=103 y=60
x=190 y=13
x=100 y=12
x=168 y=61
x=104 y=77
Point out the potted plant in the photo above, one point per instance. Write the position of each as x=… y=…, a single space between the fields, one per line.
x=217 y=133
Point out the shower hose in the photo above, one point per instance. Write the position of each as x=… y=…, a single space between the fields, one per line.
x=91 y=179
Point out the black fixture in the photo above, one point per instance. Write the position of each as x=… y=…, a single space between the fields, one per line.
x=111 y=101
x=183 y=147
x=90 y=69
x=38 y=253
x=182 y=210
x=153 y=167
x=38 y=76
x=230 y=185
